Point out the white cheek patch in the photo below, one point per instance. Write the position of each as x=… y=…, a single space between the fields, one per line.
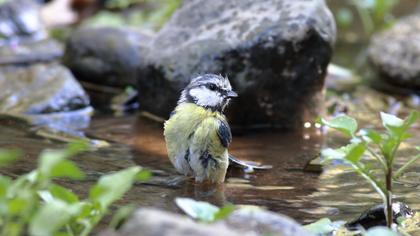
x=206 y=97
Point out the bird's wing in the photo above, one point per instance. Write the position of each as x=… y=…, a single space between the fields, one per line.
x=224 y=134
x=206 y=137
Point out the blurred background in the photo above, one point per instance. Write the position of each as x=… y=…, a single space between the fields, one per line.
x=118 y=47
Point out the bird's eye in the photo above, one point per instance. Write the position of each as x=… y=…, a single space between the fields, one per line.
x=212 y=87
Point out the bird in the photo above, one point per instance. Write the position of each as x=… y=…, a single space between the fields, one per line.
x=197 y=133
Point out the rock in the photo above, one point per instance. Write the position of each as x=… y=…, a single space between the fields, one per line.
x=341 y=79
x=246 y=222
x=44 y=94
x=22 y=34
x=69 y=122
x=20 y=20
x=105 y=55
x=395 y=53
x=31 y=52
x=39 y=89
x=375 y=216
x=275 y=53
x=264 y=222
x=151 y=222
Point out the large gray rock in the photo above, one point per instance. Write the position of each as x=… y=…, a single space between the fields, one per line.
x=39 y=89
x=105 y=55
x=153 y=222
x=395 y=53
x=245 y=222
x=263 y=222
x=275 y=53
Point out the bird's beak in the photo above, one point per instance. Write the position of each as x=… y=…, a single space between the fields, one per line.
x=231 y=94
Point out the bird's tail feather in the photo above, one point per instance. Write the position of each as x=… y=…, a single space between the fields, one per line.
x=247 y=164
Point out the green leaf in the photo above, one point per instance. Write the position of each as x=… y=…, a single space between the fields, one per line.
x=224 y=212
x=63 y=194
x=113 y=186
x=67 y=168
x=396 y=126
x=343 y=123
x=370 y=135
x=77 y=147
x=21 y=182
x=49 y=159
x=321 y=227
x=121 y=215
x=411 y=119
x=143 y=175
x=355 y=153
x=8 y=156
x=4 y=185
x=51 y=217
x=53 y=163
x=388 y=146
x=199 y=210
x=380 y=231
x=18 y=205
x=391 y=120
x=86 y=209
x=339 y=153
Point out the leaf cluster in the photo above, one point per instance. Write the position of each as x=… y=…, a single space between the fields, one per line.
x=382 y=146
x=33 y=204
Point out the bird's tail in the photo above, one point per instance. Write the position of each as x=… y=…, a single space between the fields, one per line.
x=247 y=165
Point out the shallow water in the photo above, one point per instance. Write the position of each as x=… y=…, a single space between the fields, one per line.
x=287 y=188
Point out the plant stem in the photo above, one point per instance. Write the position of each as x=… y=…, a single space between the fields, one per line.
x=91 y=223
x=401 y=170
x=388 y=206
x=379 y=158
x=69 y=230
x=389 y=177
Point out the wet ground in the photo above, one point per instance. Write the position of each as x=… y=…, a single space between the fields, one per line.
x=287 y=188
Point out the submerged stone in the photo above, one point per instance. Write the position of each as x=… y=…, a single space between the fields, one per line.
x=275 y=53
x=395 y=53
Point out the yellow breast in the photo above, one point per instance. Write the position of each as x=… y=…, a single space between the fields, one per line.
x=190 y=120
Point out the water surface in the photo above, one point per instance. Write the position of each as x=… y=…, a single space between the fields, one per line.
x=304 y=195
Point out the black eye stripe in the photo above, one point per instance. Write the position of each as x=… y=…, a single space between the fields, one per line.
x=212 y=87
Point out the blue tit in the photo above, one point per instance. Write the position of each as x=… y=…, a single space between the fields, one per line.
x=197 y=134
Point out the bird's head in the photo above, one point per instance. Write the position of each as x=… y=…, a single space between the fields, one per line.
x=209 y=91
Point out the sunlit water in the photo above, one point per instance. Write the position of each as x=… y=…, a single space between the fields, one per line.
x=287 y=188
